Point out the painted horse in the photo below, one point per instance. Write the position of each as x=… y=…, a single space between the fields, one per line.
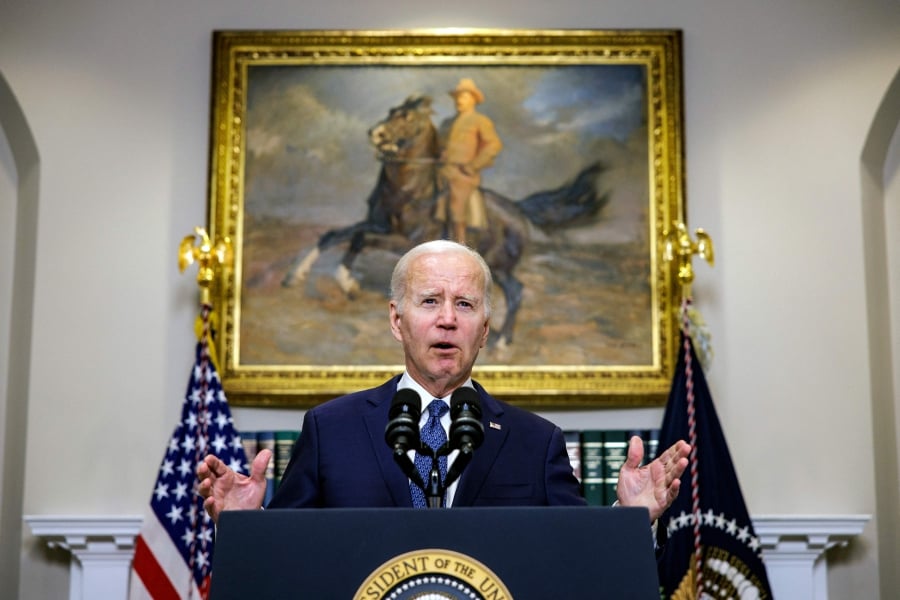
x=402 y=204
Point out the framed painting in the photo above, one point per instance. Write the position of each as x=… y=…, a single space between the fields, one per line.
x=327 y=150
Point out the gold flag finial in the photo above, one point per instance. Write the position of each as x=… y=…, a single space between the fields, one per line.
x=679 y=246
x=208 y=257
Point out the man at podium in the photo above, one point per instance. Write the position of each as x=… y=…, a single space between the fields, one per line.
x=495 y=454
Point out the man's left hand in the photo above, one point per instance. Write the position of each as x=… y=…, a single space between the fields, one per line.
x=654 y=486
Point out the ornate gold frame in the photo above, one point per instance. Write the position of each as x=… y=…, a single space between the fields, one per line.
x=656 y=52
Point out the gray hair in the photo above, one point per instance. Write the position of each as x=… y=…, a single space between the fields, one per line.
x=400 y=276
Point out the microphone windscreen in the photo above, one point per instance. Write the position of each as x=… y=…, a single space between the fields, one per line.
x=466 y=429
x=465 y=396
x=408 y=401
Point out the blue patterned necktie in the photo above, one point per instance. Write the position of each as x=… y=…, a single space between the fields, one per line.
x=434 y=435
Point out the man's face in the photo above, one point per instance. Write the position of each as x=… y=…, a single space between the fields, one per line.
x=465 y=102
x=443 y=323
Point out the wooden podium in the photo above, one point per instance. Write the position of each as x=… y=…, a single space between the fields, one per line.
x=466 y=553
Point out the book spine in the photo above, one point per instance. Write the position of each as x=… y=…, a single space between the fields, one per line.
x=284 y=447
x=592 y=466
x=573 y=448
x=266 y=440
x=248 y=441
x=652 y=440
x=615 y=451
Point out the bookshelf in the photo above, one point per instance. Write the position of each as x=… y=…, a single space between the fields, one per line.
x=596 y=454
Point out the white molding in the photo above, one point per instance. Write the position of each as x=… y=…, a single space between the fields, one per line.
x=794 y=550
x=101 y=549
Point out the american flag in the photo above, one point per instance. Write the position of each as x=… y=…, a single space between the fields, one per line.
x=173 y=553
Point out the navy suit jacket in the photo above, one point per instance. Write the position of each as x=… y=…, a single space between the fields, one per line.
x=342 y=459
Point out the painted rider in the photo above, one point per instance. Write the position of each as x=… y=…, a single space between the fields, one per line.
x=470 y=143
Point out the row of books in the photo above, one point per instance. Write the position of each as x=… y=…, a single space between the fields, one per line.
x=281 y=443
x=596 y=456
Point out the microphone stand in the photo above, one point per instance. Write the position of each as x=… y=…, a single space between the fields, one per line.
x=435 y=490
x=466 y=451
x=434 y=495
x=407 y=466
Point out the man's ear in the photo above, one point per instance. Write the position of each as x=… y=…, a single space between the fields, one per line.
x=395 y=322
x=487 y=332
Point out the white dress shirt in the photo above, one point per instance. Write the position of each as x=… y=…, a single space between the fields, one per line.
x=407 y=382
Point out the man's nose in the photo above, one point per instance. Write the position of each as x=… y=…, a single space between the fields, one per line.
x=447 y=315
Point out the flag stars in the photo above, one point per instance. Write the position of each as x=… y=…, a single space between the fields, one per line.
x=206 y=534
x=161 y=491
x=166 y=468
x=174 y=514
x=184 y=468
x=732 y=527
x=205 y=424
x=219 y=444
x=180 y=490
x=188 y=536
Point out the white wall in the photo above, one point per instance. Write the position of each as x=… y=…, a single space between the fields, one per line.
x=779 y=99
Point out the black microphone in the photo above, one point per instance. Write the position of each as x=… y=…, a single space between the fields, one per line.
x=466 y=429
x=402 y=431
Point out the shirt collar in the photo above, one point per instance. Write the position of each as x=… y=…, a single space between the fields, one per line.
x=407 y=382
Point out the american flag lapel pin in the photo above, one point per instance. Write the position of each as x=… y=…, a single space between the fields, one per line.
x=496 y=426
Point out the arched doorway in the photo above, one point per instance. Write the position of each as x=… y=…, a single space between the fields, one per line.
x=880 y=181
x=19 y=195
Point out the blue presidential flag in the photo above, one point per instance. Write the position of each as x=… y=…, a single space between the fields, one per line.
x=711 y=550
x=173 y=553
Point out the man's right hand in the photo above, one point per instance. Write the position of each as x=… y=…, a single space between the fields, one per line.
x=224 y=489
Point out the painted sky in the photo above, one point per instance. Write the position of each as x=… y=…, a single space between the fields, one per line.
x=307 y=126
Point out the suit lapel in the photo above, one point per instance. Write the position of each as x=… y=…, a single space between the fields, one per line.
x=495 y=432
x=376 y=419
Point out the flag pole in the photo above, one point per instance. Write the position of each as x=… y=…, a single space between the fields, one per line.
x=211 y=260
x=728 y=560
x=173 y=551
x=681 y=249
